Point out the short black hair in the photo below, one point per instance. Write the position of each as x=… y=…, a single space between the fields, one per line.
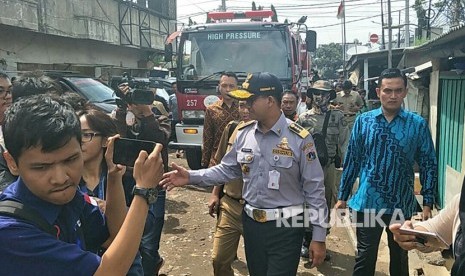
x=39 y=120
x=347 y=84
x=392 y=73
x=287 y=91
x=33 y=83
x=3 y=75
x=229 y=74
x=77 y=102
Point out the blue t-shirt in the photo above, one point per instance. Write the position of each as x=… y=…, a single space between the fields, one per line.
x=383 y=154
x=27 y=250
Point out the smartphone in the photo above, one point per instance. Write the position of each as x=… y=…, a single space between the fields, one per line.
x=140 y=96
x=126 y=150
x=426 y=238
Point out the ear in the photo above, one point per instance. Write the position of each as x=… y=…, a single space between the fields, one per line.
x=378 y=91
x=104 y=142
x=10 y=161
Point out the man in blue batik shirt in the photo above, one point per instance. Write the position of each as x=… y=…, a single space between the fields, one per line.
x=384 y=145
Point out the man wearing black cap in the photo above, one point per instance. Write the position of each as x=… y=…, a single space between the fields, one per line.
x=278 y=162
x=349 y=102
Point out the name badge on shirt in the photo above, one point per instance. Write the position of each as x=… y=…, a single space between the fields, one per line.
x=273 y=180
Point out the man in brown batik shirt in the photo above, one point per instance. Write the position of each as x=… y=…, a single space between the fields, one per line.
x=217 y=116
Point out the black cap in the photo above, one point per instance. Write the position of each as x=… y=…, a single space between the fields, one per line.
x=262 y=83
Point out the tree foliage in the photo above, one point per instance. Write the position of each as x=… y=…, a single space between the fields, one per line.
x=443 y=12
x=328 y=58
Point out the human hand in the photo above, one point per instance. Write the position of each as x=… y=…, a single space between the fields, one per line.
x=405 y=241
x=148 y=168
x=141 y=110
x=116 y=170
x=102 y=204
x=213 y=205
x=124 y=88
x=177 y=178
x=426 y=213
x=317 y=252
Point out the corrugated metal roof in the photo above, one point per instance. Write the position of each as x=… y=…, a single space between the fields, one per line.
x=437 y=40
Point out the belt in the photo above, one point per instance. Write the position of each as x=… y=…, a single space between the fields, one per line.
x=349 y=115
x=240 y=200
x=264 y=215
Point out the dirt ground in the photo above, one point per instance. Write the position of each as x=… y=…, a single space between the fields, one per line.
x=186 y=243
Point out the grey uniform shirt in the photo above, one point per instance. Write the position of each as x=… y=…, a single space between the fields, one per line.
x=255 y=154
x=337 y=133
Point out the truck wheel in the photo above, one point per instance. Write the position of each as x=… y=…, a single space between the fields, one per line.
x=194 y=158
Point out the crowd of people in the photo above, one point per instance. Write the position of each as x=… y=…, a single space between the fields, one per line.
x=272 y=156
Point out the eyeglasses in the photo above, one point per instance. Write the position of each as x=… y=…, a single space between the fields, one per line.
x=88 y=136
x=392 y=72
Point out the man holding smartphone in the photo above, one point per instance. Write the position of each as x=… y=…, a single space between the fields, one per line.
x=43 y=142
x=137 y=121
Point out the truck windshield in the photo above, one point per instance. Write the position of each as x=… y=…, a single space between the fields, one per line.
x=239 y=51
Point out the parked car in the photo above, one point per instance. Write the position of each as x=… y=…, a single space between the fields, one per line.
x=97 y=93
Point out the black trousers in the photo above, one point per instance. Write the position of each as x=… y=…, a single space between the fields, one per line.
x=368 y=238
x=271 y=250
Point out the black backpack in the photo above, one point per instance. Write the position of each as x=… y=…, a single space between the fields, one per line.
x=18 y=210
x=320 y=142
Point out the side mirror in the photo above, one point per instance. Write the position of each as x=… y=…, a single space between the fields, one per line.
x=310 y=41
x=168 y=52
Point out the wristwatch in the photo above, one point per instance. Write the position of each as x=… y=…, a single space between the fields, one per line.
x=150 y=194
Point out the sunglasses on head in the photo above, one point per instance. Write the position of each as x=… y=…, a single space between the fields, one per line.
x=392 y=72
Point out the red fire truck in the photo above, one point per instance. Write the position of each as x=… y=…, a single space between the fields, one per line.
x=238 y=42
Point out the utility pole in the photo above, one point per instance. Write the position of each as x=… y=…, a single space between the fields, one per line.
x=344 y=37
x=389 y=35
x=223 y=5
x=383 y=42
x=407 y=24
x=398 y=33
x=456 y=14
x=428 y=31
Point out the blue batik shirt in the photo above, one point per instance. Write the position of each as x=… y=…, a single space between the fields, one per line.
x=382 y=154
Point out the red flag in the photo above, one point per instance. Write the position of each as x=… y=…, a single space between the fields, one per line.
x=340 y=11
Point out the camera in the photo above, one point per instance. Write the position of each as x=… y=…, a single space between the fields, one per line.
x=139 y=94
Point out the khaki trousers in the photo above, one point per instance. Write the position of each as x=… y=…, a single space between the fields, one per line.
x=331 y=187
x=228 y=232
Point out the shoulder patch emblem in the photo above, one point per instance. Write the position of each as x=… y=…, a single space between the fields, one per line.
x=245 y=124
x=299 y=130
